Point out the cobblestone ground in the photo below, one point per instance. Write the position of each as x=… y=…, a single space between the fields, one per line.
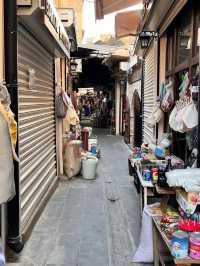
x=89 y=223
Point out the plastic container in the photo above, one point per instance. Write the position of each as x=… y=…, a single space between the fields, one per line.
x=89 y=167
x=92 y=141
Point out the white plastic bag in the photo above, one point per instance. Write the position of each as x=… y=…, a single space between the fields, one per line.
x=189 y=179
x=190 y=116
x=155 y=116
x=176 y=121
x=144 y=251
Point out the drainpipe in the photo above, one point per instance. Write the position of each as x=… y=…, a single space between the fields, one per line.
x=13 y=207
x=142 y=102
x=198 y=144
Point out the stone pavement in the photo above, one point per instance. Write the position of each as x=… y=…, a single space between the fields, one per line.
x=89 y=223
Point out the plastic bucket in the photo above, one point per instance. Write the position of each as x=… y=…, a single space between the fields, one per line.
x=89 y=167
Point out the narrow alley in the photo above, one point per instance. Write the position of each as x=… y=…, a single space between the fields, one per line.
x=99 y=132
x=92 y=223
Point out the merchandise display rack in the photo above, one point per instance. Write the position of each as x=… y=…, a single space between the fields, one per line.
x=158 y=235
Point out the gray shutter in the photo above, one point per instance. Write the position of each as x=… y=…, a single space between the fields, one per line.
x=37 y=129
x=149 y=92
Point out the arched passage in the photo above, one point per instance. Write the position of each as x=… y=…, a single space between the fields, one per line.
x=137 y=119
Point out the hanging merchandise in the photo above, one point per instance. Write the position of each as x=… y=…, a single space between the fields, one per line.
x=162 y=91
x=156 y=115
x=71 y=118
x=8 y=139
x=184 y=87
x=60 y=106
x=184 y=116
x=168 y=99
x=190 y=116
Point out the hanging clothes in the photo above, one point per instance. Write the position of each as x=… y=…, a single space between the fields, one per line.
x=8 y=139
x=12 y=127
x=7 y=186
x=71 y=118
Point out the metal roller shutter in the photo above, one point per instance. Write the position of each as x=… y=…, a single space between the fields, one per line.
x=149 y=92
x=37 y=129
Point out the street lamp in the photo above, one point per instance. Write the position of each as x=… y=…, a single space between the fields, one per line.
x=145 y=38
x=73 y=65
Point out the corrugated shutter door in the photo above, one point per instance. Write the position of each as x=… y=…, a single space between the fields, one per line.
x=149 y=92
x=37 y=130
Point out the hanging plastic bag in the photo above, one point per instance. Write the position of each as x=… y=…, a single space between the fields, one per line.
x=180 y=126
x=183 y=88
x=156 y=115
x=172 y=119
x=162 y=91
x=168 y=99
x=190 y=116
x=60 y=106
x=176 y=121
x=184 y=116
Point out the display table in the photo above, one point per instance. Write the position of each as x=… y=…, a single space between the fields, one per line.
x=146 y=187
x=159 y=235
x=165 y=190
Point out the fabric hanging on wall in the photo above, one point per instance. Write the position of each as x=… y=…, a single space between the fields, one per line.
x=8 y=139
x=71 y=118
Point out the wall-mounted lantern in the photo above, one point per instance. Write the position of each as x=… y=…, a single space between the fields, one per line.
x=145 y=38
x=73 y=65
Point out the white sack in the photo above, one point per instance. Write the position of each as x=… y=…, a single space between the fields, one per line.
x=189 y=179
x=144 y=251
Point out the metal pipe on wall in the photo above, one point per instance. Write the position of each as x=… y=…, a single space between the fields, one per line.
x=198 y=144
x=13 y=211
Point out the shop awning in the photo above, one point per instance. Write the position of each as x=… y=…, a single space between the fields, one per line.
x=126 y=23
x=104 y=7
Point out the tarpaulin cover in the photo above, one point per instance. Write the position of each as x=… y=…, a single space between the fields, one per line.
x=104 y=7
x=126 y=23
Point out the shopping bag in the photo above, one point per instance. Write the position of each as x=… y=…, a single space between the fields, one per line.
x=156 y=115
x=176 y=121
x=190 y=116
x=168 y=100
x=60 y=106
x=183 y=88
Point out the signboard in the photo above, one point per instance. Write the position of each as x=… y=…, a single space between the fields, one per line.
x=67 y=16
x=55 y=20
x=24 y=3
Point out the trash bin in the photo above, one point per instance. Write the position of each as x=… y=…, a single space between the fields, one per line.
x=89 y=167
